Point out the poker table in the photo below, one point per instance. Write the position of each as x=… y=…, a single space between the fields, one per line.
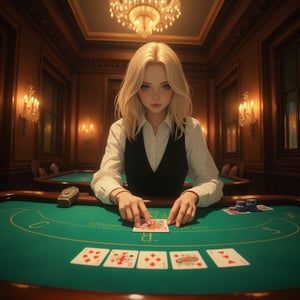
x=82 y=179
x=39 y=239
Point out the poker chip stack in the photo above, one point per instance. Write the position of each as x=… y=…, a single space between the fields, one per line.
x=244 y=206
x=251 y=205
x=240 y=206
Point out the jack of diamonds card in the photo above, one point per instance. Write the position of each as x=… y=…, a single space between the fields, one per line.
x=184 y=260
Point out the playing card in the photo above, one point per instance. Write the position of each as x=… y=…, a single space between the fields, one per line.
x=157 y=225
x=235 y=212
x=224 y=258
x=90 y=256
x=262 y=207
x=152 y=260
x=182 y=260
x=121 y=259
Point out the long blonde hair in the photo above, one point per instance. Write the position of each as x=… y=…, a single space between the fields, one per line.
x=129 y=107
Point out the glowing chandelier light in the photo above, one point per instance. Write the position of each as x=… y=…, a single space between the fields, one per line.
x=246 y=113
x=31 y=105
x=145 y=16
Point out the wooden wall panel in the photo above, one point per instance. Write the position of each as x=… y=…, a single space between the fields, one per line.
x=95 y=106
x=200 y=99
x=112 y=87
x=90 y=112
x=30 y=46
x=8 y=40
x=25 y=133
x=249 y=80
x=257 y=151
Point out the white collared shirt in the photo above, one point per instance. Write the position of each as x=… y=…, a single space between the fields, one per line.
x=201 y=167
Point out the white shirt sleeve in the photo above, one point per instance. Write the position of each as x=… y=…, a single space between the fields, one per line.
x=201 y=166
x=109 y=177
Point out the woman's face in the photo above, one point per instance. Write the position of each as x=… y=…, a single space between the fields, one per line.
x=155 y=92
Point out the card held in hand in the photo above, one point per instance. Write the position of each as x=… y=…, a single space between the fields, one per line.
x=157 y=225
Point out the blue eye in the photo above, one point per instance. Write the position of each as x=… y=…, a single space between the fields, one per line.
x=144 y=87
x=166 y=86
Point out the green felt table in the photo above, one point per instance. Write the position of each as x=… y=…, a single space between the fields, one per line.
x=83 y=178
x=39 y=240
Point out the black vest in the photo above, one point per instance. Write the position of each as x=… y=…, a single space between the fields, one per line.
x=169 y=177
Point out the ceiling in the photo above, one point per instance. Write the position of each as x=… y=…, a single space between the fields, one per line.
x=207 y=30
x=192 y=27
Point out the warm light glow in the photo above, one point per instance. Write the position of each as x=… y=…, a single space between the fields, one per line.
x=246 y=111
x=145 y=16
x=30 y=105
x=87 y=130
x=204 y=131
x=136 y=297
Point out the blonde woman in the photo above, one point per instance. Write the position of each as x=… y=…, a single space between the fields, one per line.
x=156 y=142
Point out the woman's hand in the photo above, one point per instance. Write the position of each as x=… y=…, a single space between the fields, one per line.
x=132 y=208
x=184 y=209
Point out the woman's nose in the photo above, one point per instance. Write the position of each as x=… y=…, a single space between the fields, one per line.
x=155 y=94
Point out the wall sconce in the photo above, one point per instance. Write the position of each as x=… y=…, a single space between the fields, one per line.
x=30 y=106
x=246 y=113
x=87 y=131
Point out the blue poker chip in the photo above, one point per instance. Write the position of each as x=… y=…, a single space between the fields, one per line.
x=240 y=208
x=251 y=201
x=251 y=208
x=251 y=205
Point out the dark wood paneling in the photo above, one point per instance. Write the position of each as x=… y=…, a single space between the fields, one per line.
x=8 y=44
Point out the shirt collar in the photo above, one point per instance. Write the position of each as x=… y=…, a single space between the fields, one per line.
x=166 y=121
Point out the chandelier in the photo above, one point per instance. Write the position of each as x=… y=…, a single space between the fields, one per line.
x=145 y=16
